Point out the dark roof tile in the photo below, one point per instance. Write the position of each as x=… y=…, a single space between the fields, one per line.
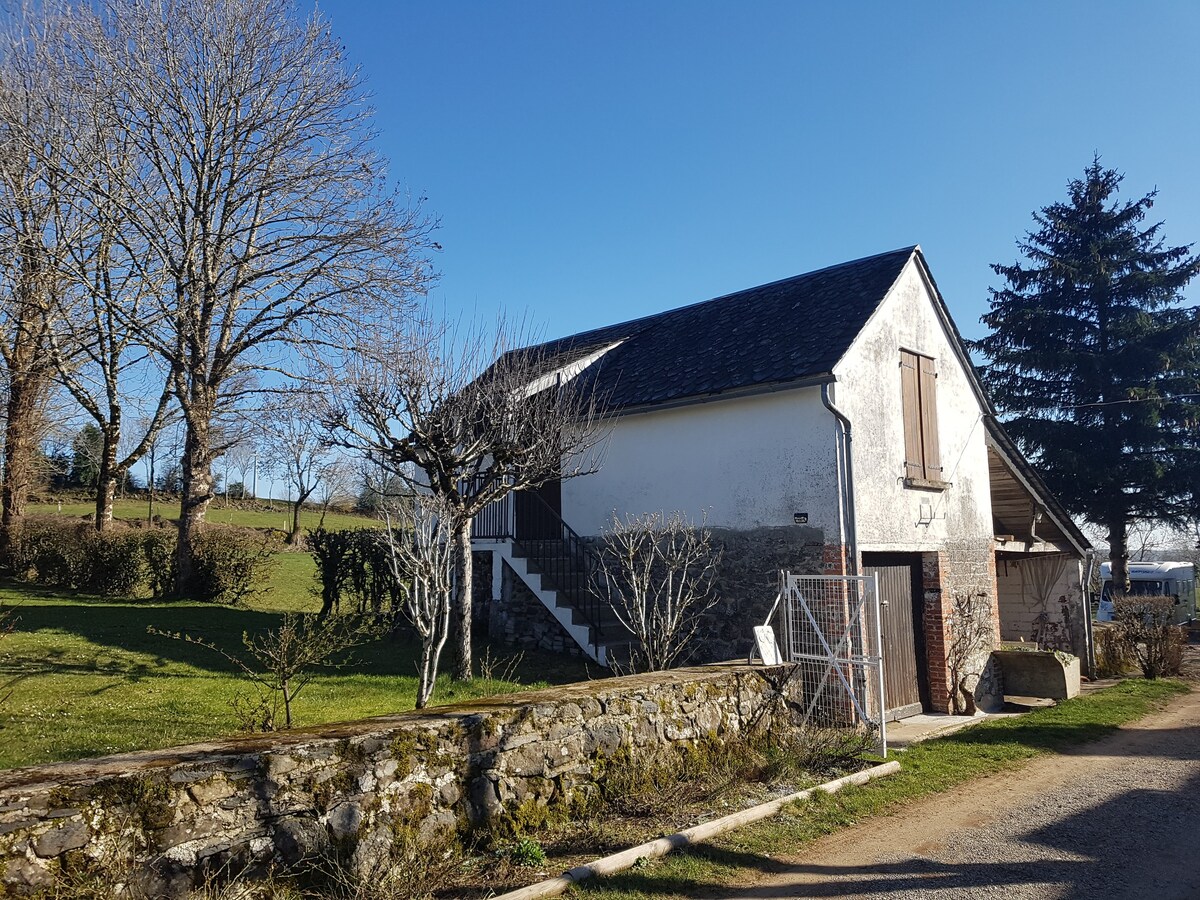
x=776 y=333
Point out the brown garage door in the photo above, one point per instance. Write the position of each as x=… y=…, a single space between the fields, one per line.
x=903 y=656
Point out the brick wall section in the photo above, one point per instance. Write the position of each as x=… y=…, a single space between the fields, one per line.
x=160 y=820
x=950 y=573
x=936 y=626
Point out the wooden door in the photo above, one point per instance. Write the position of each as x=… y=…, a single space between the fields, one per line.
x=904 y=677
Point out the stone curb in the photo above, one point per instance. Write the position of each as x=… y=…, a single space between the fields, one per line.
x=618 y=862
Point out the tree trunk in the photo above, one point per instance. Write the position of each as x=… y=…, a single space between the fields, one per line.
x=106 y=480
x=425 y=682
x=197 y=494
x=462 y=600
x=20 y=458
x=1118 y=554
x=294 y=534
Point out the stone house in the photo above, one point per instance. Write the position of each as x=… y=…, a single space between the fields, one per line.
x=826 y=423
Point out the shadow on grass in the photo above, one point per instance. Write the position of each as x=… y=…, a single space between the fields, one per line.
x=121 y=626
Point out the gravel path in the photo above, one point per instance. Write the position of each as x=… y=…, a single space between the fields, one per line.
x=1117 y=818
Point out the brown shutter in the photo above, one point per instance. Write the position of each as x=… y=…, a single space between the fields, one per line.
x=910 y=395
x=931 y=454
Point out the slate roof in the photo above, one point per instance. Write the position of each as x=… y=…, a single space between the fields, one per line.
x=787 y=331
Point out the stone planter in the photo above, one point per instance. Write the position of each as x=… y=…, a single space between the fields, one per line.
x=1039 y=673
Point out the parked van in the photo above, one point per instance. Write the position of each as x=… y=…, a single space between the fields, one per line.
x=1157 y=579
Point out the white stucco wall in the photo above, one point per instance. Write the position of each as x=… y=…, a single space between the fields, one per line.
x=746 y=462
x=890 y=516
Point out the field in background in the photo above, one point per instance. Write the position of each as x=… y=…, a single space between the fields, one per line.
x=257 y=514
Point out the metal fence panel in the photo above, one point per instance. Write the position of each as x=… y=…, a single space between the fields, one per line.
x=831 y=632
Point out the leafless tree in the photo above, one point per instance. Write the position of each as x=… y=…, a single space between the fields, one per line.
x=101 y=281
x=420 y=536
x=465 y=415
x=657 y=572
x=297 y=450
x=29 y=135
x=257 y=196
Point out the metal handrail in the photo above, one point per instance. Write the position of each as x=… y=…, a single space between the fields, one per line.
x=563 y=557
x=495 y=521
x=559 y=554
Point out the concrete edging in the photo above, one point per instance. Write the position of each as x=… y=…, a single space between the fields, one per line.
x=617 y=862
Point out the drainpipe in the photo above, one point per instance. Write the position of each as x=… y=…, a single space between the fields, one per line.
x=847 y=496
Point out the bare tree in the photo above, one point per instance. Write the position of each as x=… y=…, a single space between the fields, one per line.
x=102 y=282
x=258 y=198
x=29 y=135
x=971 y=640
x=297 y=450
x=657 y=572
x=420 y=537
x=464 y=415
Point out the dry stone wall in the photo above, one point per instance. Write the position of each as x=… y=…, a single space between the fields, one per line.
x=162 y=821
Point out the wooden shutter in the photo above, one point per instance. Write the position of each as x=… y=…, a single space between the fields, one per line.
x=910 y=396
x=930 y=451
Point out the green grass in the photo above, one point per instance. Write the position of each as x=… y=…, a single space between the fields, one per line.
x=86 y=678
x=274 y=515
x=740 y=857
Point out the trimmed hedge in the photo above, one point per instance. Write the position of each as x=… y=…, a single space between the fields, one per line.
x=355 y=563
x=126 y=561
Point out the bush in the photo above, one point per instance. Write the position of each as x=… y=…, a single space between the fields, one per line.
x=51 y=552
x=355 y=563
x=1114 y=655
x=71 y=554
x=158 y=551
x=116 y=565
x=230 y=563
x=1145 y=626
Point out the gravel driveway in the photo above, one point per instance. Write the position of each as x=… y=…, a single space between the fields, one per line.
x=1117 y=818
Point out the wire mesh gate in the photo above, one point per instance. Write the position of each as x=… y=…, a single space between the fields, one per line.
x=831 y=631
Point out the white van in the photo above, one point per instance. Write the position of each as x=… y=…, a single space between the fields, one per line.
x=1159 y=579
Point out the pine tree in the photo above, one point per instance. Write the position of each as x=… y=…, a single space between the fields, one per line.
x=1094 y=362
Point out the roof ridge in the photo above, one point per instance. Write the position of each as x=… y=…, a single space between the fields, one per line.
x=909 y=250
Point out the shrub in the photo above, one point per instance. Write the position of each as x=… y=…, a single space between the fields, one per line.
x=1114 y=655
x=355 y=563
x=52 y=552
x=72 y=554
x=116 y=565
x=1145 y=625
x=158 y=551
x=230 y=563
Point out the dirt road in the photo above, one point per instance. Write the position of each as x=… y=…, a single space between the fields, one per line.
x=1117 y=818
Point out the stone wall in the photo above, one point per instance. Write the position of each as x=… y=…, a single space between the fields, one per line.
x=521 y=620
x=160 y=821
x=748 y=581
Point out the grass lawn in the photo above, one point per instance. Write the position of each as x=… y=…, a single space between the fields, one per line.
x=741 y=856
x=274 y=515
x=86 y=679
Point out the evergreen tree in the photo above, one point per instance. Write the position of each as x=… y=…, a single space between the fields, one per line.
x=1094 y=362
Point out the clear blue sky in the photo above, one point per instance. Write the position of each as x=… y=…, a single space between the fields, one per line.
x=593 y=162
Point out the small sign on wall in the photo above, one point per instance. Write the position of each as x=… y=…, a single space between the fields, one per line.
x=800 y=518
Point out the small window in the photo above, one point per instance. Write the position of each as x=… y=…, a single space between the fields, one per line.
x=918 y=382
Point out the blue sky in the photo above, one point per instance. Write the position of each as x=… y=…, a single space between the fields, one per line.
x=593 y=162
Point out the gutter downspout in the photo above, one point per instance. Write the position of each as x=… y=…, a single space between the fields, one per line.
x=847 y=498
